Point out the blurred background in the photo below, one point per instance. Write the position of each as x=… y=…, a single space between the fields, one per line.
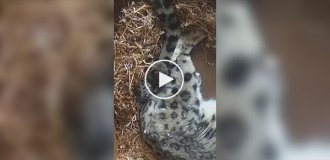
x=56 y=78
x=298 y=31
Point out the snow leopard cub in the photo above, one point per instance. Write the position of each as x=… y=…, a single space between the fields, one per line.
x=182 y=127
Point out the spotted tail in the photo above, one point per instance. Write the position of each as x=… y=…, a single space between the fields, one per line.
x=172 y=26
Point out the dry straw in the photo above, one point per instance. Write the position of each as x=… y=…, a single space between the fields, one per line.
x=137 y=43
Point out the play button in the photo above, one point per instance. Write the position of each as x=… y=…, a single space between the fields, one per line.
x=164 y=79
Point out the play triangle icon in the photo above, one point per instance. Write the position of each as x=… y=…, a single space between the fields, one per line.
x=164 y=79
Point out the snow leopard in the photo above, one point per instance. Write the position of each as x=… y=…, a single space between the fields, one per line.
x=182 y=127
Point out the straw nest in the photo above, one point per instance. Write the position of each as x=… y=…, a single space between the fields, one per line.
x=137 y=44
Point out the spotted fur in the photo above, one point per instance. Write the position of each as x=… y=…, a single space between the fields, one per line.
x=181 y=127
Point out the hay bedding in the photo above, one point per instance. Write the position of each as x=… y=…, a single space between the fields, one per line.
x=137 y=44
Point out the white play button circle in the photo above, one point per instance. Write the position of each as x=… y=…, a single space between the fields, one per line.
x=156 y=81
x=163 y=79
